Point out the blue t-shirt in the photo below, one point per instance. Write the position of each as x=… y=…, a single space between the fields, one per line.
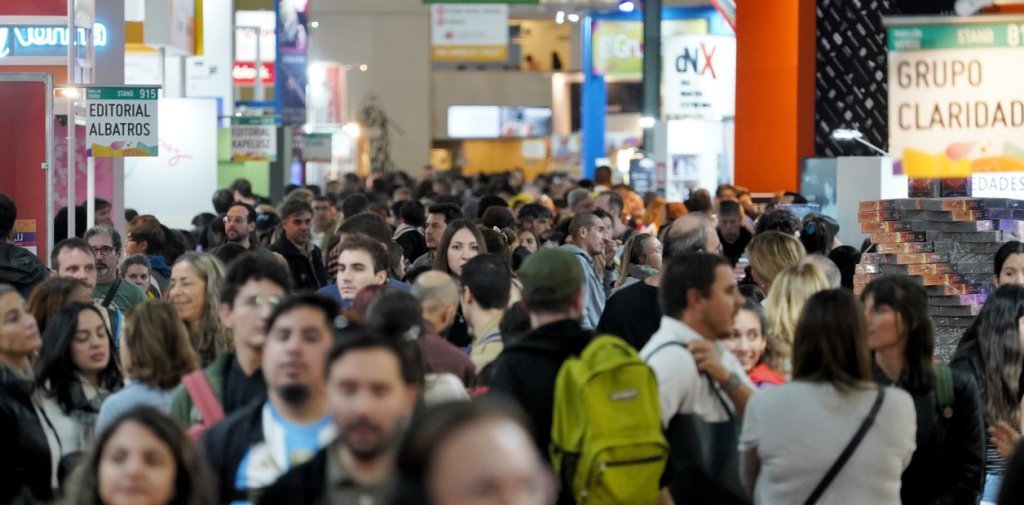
x=285 y=445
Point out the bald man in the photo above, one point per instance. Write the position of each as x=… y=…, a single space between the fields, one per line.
x=438 y=294
x=695 y=220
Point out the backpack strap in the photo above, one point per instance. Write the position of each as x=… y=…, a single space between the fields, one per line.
x=944 y=396
x=111 y=292
x=202 y=396
x=848 y=451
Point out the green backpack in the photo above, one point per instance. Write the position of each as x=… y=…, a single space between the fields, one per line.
x=607 y=444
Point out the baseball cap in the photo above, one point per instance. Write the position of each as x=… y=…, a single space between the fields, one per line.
x=550 y=276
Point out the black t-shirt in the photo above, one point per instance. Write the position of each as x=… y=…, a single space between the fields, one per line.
x=632 y=313
x=736 y=249
x=240 y=389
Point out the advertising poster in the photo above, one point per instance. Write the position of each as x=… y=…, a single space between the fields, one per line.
x=254 y=33
x=175 y=184
x=469 y=32
x=290 y=75
x=121 y=122
x=253 y=139
x=956 y=104
x=619 y=45
x=699 y=76
x=25 y=235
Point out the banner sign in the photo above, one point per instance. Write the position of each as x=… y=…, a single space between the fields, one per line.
x=253 y=139
x=292 y=44
x=699 y=76
x=29 y=41
x=244 y=73
x=469 y=33
x=956 y=105
x=121 y=121
x=618 y=46
x=318 y=147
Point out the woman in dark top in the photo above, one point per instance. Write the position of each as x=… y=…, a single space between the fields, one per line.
x=991 y=352
x=948 y=464
x=461 y=242
x=26 y=473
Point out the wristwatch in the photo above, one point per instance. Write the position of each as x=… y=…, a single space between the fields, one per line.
x=733 y=383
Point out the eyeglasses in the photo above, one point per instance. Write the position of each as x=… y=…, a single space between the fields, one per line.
x=259 y=301
x=235 y=220
x=104 y=251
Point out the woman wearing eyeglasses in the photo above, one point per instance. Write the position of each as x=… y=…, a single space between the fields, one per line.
x=255 y=283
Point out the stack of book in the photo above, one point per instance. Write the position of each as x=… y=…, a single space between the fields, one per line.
x=946 y=245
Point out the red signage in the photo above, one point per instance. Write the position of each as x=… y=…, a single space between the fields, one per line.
x=35 y=8
x=244 y=73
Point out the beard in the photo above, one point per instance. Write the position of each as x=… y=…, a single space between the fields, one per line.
x=294 y=395
x=370 y=450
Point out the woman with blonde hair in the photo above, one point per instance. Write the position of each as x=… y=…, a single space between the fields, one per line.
x=770 y=253
x=791 y=290
x=194 y=290
x=155 y=354
x=641 y=258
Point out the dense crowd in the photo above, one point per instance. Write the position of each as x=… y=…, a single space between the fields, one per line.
x=460 y=340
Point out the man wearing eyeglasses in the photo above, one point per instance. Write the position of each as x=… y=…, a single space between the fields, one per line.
x=254 y=284
x=239 y=224
x=111 y=290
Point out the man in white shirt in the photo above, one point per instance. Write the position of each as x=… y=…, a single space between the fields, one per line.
x=696 y=374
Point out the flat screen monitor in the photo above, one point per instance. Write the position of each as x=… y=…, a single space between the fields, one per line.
x=491 y=121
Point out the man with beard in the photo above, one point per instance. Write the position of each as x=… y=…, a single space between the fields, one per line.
x=373 y=384
x=110 y=289
x=239 y=224
x=263 y=440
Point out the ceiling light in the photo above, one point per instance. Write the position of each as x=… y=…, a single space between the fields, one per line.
x=560 y=17
x=315 y=24
x=647 y=122
x=627 y=6
x=574 y=18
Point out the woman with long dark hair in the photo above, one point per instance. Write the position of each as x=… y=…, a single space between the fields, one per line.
x=949 y=462
x=461 y=242
x=792 y=434
x=991 y=352
x=144 y=457
x=1009 y=263
x=77 y=369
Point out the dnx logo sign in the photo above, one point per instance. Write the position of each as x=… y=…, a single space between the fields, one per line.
x=698 y=59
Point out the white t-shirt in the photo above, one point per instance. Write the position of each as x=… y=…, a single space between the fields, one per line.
x=800 y=428
x=681 y=387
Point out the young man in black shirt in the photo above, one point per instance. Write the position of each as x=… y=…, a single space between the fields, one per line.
x=734 y=236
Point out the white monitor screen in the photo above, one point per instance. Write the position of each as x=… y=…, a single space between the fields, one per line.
x=474 y=121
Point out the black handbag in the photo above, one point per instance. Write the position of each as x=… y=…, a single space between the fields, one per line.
x=703 y=465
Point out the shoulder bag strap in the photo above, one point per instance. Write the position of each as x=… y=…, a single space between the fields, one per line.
x=848 y=451
x=202 y=396
x=111 y=292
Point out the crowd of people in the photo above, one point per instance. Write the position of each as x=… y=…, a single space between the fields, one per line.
x=459 y=340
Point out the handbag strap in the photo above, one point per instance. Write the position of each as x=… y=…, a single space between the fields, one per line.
x=199 y=390
x=711 y=384
x=111 y=293
x=848 y=451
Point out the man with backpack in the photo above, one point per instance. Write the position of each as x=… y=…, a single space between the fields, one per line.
x=604 y=435
x=255 y=283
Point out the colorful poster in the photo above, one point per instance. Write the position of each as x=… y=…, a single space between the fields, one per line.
x=25 y=234
x=956 y=106
x=469 y=33
x=121 y=121
x=618 y=46
x=290 y=74
x=698 y=76
x=253 y=139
